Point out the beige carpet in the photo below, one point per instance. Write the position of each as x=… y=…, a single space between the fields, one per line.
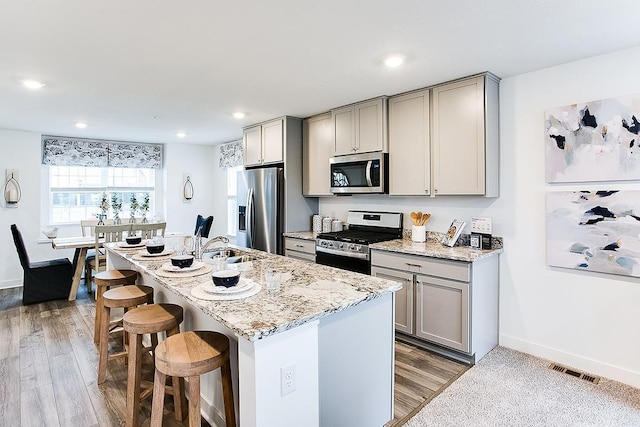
x=509 y=388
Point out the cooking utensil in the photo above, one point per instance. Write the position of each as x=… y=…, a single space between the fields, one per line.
x=425 y=218
x=414 y=218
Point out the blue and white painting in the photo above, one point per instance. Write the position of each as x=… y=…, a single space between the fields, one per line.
x=593 y=141
x=594 y=231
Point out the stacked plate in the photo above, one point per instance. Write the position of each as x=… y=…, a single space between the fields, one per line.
x=170 y=271
x=125 y=245
x=167 y=266
x=208 y=291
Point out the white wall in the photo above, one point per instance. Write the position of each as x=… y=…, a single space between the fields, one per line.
x=26 y=215
x=200 y=162
x=585 y=320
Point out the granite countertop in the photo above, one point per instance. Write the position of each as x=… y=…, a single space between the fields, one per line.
x=304 y=235
x=433 y=248
x=308 y=292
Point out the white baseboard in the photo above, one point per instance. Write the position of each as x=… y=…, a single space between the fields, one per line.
x=575 y=361
x=6 y=284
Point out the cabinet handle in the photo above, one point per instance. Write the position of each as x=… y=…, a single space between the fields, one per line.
x=435 y=190
x=413 y=265
x=299 y=246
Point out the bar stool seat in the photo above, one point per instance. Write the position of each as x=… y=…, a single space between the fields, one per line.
x=149 y=319
x=105 y=280
x=191 y=354
x=126 y=297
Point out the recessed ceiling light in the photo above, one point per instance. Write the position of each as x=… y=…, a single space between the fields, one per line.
x=238 y=115
x=394 y=61
x=181 y=134
x=32 y=84
x=81 y=125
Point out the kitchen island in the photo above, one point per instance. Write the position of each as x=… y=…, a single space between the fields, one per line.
x=333 y=329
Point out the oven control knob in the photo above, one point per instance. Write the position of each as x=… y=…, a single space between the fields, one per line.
x=323 y=244
x=358 y=248
x=352 y=247
x=341 y=246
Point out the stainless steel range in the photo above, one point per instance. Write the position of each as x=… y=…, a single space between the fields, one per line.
x=349 y=249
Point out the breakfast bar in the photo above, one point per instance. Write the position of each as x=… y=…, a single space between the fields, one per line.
x=319 y=351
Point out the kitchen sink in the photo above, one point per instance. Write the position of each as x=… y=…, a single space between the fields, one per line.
x=240 y=258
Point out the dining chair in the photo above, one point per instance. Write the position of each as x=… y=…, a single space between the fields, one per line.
x=204 y=225
x=105 y=234
x=42 y=280
x=149 y=230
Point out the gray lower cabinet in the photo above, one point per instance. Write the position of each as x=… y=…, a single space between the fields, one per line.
x=448 y=306
x=300 y=248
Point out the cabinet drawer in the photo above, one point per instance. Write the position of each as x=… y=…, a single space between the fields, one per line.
x=300 y=255
x=454 y=270
x=300 y=245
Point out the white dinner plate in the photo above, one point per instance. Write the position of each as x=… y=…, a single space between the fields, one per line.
x=242 y=286
x=163 y=253
x=167 y=266
x=128 y=246
x=199 y=293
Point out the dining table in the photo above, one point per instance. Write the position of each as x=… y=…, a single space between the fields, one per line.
x=81 y=244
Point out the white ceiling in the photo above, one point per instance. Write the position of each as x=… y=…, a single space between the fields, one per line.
x=143 y=70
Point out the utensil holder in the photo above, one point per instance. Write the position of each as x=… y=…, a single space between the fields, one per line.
x=418 y=233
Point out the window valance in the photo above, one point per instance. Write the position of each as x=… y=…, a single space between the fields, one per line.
x=231 y=155
x=62 y=151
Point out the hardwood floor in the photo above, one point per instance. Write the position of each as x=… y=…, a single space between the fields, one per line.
x=48 y=366
x=419 y=376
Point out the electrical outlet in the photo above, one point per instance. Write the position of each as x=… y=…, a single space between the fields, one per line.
x=287 y=379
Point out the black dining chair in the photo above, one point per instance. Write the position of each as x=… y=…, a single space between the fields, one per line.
x=204 y=224
x=43 y=280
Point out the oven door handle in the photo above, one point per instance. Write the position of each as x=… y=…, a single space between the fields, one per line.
x=368 y=173
x=342 y=253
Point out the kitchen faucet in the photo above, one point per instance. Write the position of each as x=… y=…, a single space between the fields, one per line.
x=199 y=248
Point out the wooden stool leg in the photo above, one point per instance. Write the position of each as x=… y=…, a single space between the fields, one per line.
x=194 y=401
x=177 y=384
x=227 y=394
x=100 y=290
x=133 y=380
x=157 y=404
x=104 y=345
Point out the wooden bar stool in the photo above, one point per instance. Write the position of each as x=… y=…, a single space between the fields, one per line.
x=149 y=319
x=191 y=354
x=126 y=297
x=105 y=280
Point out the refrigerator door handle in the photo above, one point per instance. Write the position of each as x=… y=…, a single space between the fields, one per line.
x=250 y=217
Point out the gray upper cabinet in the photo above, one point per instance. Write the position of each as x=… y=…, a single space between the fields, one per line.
x=464 y=137
x=444 y=140
x=409 y=144
x=263 y=144
x=317 y=149
x=361 y=127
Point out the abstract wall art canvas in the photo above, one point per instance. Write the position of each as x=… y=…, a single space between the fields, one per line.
x=593 y=141
x=594 y=231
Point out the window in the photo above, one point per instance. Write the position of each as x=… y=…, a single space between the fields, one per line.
x=232 y=204
x=75 y=192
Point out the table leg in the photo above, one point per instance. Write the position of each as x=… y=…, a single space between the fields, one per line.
x=78 y=259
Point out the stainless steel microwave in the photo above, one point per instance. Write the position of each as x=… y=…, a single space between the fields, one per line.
x=359 y=173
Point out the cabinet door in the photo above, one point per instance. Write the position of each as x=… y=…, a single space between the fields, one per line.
x=442 y=312
x=409 y=157
x=403 y=297
x=272 y=142
x=252 y=144
x=317 y=149
x=343 y=131
x=371 y=126
x=458 y=137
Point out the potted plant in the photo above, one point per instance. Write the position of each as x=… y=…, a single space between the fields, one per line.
x=104 y=208
x=144 y=208
x=133 y=206
x=116 y=206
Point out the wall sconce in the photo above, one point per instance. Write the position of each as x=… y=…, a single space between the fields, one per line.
x=187 y=190
x=12 y=191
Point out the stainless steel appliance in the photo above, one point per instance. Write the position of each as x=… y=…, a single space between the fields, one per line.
x=260 y=196
x=349 y=249
x=359 y=173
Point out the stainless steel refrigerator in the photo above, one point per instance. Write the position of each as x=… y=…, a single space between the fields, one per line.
x=261 y=216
